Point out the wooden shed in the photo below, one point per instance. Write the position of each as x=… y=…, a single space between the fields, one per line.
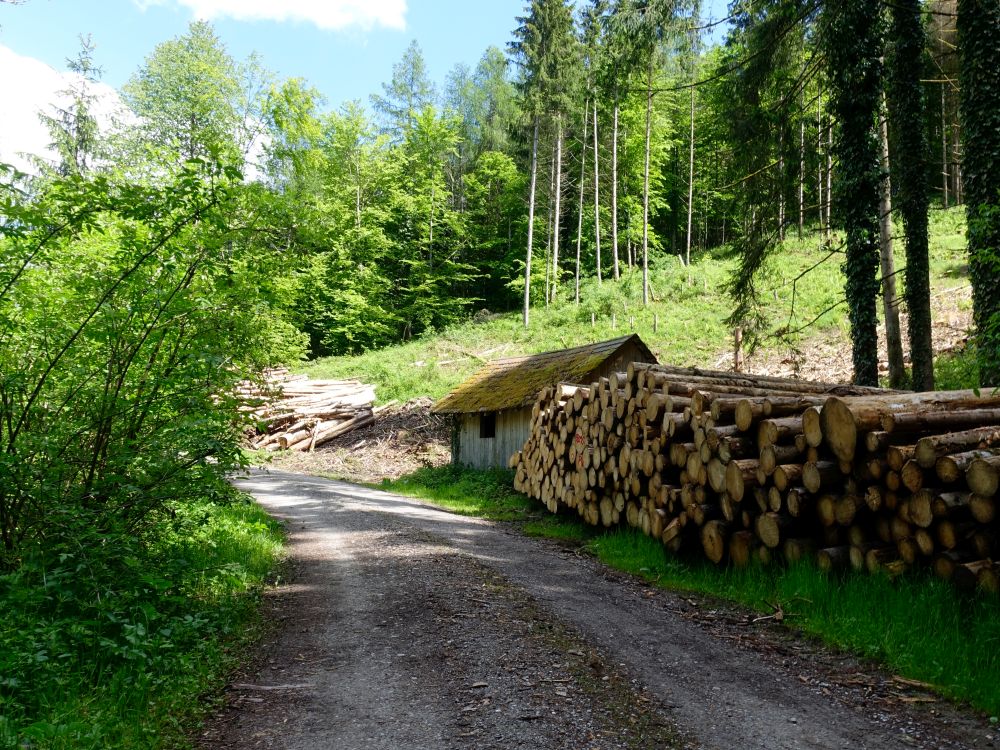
x=492 y=409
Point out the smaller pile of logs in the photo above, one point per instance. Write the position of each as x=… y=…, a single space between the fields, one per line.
x=755 y=467
x=293 y=412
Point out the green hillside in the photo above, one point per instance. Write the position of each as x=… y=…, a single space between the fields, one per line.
x=690 y=308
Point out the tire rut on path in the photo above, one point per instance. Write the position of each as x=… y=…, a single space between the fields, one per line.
x=410 y=627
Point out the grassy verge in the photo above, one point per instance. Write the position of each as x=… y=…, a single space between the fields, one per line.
x=116 y=647
x=485 y=494
x=920 y=627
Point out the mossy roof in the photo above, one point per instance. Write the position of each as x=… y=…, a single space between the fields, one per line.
x=515 y=381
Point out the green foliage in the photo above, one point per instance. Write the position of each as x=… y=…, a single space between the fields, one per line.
x=408 y=94
x=957 y=370
x=73 y=129
x=112 y=645
x=764 y=63
x=194 y=102
x=126 y=312
x=546 y=51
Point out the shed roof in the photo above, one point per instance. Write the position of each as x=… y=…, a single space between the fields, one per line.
x=515 y=381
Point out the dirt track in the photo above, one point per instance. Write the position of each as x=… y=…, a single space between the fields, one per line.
x=409 y=627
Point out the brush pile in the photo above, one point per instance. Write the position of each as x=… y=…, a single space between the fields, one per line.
x=754 y=467
x=295 y=413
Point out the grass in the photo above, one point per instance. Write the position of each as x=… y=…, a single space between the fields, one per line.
x=485 y=494
x=117 y=648
x=920 y=627
x=690 y=307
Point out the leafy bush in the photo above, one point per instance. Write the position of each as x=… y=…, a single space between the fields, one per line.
x=127 y=314
x=110 y=645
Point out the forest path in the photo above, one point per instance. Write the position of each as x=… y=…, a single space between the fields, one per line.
x=409 y=627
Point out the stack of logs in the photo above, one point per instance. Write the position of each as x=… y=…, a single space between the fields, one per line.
x=753 y=467
x=293 y=412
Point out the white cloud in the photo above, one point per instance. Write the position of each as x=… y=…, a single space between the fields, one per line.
x=325 y=14
x=30 y=87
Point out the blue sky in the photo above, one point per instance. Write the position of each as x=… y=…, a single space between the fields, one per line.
x=347 y=63
x=344 y=48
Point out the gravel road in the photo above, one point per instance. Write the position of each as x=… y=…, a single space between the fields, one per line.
x=405 y=627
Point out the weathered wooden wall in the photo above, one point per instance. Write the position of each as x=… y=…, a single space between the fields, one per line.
x=513 y=425
x=512 y=428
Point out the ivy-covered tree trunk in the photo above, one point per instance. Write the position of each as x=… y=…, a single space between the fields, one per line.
x=909 y=144
x=852 y=38
x=979 y=45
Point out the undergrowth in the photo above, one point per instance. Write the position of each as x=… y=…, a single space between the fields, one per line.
x=113 y=643
x=918 y=626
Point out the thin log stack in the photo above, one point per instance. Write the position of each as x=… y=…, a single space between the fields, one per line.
x=295 y=413
x=755 y=467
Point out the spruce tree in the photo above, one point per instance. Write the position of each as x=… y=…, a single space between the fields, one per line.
x=979 y=42
x=909 y=144
x=852 y=39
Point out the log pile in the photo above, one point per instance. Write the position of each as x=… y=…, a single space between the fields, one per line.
x=756 y=468
x=293 y=412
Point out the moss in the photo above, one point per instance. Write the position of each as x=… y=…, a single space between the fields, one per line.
x=515 y=382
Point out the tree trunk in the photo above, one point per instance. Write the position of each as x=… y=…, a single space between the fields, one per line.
x=893 y=340
x=583 y=172
x=828 y=231
x=855 y=99
x=687 y=257
x=557 y=212
x=819 y=160
x=614 y=192
x=781 y=182
x=906 y=106
x=645 y=184
x=548 y=223
x=531 y=222
x=944 y=145
x=802 y=168
x=597 y=201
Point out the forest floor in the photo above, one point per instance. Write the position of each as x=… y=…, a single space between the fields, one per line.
x=402 y=625
x=825 y=356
